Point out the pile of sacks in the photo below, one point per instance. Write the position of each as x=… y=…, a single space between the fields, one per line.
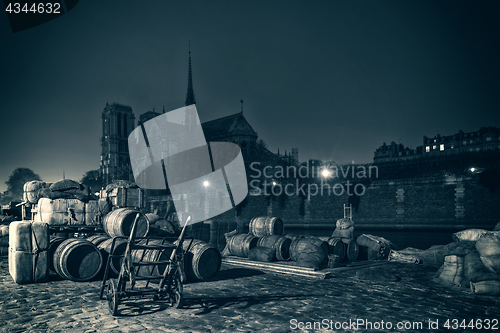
x=479 y=268
x=63 y=189
x=472 y=260
x=344 y=228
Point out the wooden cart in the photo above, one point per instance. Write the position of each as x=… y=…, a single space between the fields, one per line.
x=169 y=287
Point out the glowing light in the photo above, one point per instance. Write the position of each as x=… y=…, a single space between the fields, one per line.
x=472 y=169
x=206 y=183
x=325 y=173
x=274 y=183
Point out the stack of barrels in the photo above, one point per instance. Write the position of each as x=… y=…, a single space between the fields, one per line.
x=343 y=249
x=266 y=242
x=80 y=259
x=342 y=246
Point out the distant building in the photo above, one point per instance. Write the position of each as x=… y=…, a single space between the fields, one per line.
x=486 y=139
x=117 y=123
x=396 y=152
x=440 y=156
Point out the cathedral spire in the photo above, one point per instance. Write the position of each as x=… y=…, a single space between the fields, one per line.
x=190 y=92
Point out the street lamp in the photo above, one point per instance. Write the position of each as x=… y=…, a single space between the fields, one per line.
x=325 y=173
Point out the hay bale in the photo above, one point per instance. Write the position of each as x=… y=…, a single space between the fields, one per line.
x=491 y=287
x=452 y=270
x=470 y=235
x=475 y=270
x=488 y=247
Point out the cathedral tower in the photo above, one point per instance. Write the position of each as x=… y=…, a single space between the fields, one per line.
x=117 y=122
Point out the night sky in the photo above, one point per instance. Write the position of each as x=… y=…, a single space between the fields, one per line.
x=335 y=79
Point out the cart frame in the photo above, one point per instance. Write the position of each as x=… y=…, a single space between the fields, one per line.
x=170 y=282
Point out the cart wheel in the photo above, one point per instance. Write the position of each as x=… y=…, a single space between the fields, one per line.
x=112 y=297
x=177 y=284
x=175 y=299
x=176 y=292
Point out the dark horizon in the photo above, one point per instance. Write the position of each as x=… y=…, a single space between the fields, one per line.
x=334 y=79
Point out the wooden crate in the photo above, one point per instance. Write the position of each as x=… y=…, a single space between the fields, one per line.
x=125 y=197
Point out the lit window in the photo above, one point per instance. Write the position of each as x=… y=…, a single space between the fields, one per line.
x=441 y=147
x=488 y=139
x=470 y=141
x=452 y=146
x=465 y=142
x=427 y=149
x=434 y=147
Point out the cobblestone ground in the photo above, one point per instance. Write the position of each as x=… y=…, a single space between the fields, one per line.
x=247 y=300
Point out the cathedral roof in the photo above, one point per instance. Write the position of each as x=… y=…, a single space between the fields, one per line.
x=224 y=127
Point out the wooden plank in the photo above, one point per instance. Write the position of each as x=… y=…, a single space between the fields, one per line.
x=288 y=268
x=276 y=268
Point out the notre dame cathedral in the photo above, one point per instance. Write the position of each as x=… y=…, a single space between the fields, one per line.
x=118 y=121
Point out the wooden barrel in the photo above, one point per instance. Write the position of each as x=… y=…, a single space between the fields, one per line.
x=97 y=239
x=266 y=226
x=119 y=223
x=279 y=243
x=241 y=244
x=120 y=247
x=351 y=249
x=77 y=259
x=300 y=245
x=54 y=243
x=202 y=261
x=151 y=255
x=337 y=247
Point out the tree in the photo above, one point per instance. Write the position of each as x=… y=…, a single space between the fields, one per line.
x=93 y=179
x=15 y=184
